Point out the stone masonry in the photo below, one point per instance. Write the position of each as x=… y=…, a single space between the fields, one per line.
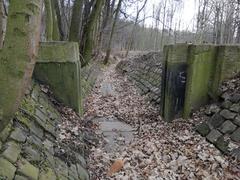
x=145 y=72
x=221 y=125
x=28 y=146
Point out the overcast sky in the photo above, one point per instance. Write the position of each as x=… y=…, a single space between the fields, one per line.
x=186 y=14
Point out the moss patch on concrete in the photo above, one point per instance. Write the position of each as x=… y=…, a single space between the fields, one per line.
x=58 y=66
x=174 y=87
x=201 y=67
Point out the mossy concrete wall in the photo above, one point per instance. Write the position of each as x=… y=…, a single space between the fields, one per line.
x=205 y=67
x=173 y=81
x=89 y=75
x=201 y=68
x=227 y=66
x=58 y=65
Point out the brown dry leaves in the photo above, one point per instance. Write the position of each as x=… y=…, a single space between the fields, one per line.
x=159 y=150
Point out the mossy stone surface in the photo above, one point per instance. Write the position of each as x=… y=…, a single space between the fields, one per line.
x=27 y=169
x=82 y=173
x=47 y=174
x=7 y=169
x=12 y=151
x=5 y=132
x=201 y=68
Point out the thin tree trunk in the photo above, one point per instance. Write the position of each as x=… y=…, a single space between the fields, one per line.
x=108 y=52
x=163 y=25
x=74 y=34
x=3 y=21
x=59 y=20
x=56 y=34
x=49 y=20
x=134 y=29
x=88 y=30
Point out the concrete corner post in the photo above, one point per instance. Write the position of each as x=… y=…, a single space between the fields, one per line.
x=59 y=66
x=174 y=81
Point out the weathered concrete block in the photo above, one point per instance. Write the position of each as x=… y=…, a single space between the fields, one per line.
x=222 y=145
x=12 y=151
x=203 y=129
x=7 y=169
x=237 y=120
x=18 y=135
x=216 y=120
x=229 y=59
x=27 y=169
x=174 y=81
x=58 y=65
x=47 y=174
x=236 y=135
x=201 y=68
x=227 y=127
x=213 y=136
x=228 y=114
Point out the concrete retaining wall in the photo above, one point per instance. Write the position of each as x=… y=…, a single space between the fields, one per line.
x=200 y=73
x=173 y=82
x=207 y=66
x=58 y=65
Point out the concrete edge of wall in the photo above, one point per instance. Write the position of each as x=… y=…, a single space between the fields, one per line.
x=206 y=67
x=58 y=66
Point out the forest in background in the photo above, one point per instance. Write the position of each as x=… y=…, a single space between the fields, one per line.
x=103 y=25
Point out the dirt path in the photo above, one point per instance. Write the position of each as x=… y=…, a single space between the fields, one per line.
x=133 y=131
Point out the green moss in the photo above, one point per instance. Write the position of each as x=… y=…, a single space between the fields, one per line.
x=6 y=132
x=27 y=169
x=58 y=52
x=7 y=169
x=17 y=55
x=21 y=118
x=28 y=105
x=199 y=77
x=59 y=67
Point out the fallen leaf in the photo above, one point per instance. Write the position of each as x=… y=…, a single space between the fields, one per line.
x=115 y=167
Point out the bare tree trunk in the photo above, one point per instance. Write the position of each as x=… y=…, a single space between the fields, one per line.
x=3 y=21
x=59 y=20
x=108 y=52
x=56 y=35
x=88 y=30
x=18 y=55
x=163 y=24
x=49 y=20
x=105 y=21
x=74 y=34
x=130 y=42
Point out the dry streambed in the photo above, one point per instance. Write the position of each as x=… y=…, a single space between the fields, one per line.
x=150 y=148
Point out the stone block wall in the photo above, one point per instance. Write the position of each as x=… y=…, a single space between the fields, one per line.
x=89 y=75
x=221 y=122
x=145 y=72
x=28 y=146
x=200 y=73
